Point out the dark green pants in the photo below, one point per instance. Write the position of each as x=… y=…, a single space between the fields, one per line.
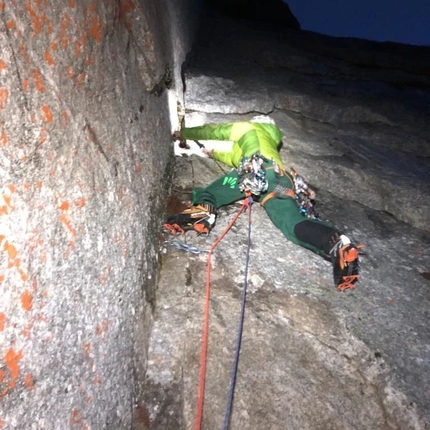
x=283 y=211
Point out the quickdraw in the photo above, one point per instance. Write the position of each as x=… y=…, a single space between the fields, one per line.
x=304 y=199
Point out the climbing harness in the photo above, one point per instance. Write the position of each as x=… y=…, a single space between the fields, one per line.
x=203 y=356
x=279 y=191
x=301 y=192
x=252 y=175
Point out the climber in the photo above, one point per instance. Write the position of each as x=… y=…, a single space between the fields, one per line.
x=259 y=171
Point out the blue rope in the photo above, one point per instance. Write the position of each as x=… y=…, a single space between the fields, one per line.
x=176 y=243
x=240 y=328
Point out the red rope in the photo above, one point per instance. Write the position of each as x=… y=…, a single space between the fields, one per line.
x=204 y=349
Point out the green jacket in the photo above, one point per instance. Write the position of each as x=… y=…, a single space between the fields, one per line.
x=248 y=139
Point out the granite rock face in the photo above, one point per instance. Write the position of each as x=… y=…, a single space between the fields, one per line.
x=84 y=157
x=96 y=332
x=355 y=124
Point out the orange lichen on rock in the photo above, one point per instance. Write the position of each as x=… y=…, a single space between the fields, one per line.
x=26 y=331
x=102 y=328
x=48 y=24
x=76 y=416
x=48 y=58
x=64 y=206
x=78 y=48
x=47 y=112
x=79 y=80
x=4 y=94
x=43 y=136
x=22 y=275
x=4 y=138
x=28 y=381
x=35 y=19
x=67 y=224
x=38 y=80
x=95 y=28
x=2 y=322
x=64 y=23
x=25 y=84
x=12 y=359
x=126 y=6
x=70 y=72
x=8 y=200
x=11 y=24
x=80 y=203
x=23 y=52
x=87 y=349
x=64 y=120
x=10 y=249
x=27 y=300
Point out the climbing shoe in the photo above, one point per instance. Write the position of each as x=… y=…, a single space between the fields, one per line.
x=200 y=218
x=344 y=256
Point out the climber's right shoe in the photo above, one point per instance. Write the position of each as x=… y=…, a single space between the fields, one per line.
x=200 y=218
x=344 y=256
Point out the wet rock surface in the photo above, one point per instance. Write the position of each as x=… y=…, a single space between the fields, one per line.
x=311 y=357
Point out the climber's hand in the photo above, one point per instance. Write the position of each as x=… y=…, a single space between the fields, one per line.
x=207 y=152
x=177 y=136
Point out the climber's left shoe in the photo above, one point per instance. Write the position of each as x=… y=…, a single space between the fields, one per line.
x=200 y=218
x=344 y=256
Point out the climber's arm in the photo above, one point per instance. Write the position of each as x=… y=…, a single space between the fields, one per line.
x=224 y=157
x=207 y=132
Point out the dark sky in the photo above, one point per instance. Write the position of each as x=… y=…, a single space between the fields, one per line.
x=382 y=20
